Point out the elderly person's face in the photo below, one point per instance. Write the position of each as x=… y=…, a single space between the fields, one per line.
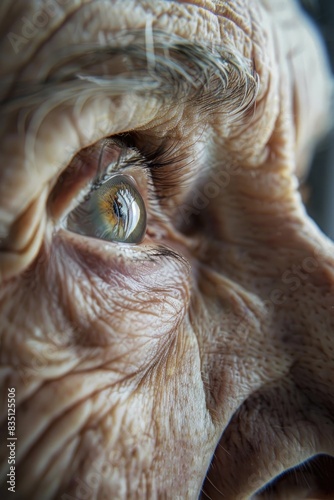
x=165 y=300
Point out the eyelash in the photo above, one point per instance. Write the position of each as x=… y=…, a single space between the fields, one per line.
x=164 y=164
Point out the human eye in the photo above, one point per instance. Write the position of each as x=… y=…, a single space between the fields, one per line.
x=108 y=192
x=113 y=209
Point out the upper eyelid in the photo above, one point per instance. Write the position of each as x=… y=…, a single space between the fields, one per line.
x=102 y=170
x=70 y=192
x=107 y=171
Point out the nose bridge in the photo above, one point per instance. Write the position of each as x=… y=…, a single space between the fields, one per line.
x=278 y=315
x=301 y=292
x=302 y=308
x=284 y=370
x=315 y=271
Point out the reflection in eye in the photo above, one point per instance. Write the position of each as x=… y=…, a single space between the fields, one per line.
x=113 y=211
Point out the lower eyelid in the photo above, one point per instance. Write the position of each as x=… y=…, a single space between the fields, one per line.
x=104 y=259
x=108 y=256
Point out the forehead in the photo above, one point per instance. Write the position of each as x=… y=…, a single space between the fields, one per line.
x=31 y=29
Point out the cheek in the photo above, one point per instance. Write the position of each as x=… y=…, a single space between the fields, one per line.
x=79 y=313
x=119 y=300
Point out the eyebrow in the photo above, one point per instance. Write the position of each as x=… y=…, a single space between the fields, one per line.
x=169 y=67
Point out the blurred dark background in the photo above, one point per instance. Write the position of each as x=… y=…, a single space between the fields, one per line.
x=320 y=182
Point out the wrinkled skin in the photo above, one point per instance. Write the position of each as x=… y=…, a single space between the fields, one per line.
x=132 y=373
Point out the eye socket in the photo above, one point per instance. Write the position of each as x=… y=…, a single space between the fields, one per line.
x=113 y=211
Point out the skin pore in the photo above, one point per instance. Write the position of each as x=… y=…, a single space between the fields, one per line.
x=137 y=365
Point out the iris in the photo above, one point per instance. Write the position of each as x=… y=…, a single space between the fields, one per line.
x=113 y=211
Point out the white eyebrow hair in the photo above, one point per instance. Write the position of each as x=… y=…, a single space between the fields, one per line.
x=170 y=67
